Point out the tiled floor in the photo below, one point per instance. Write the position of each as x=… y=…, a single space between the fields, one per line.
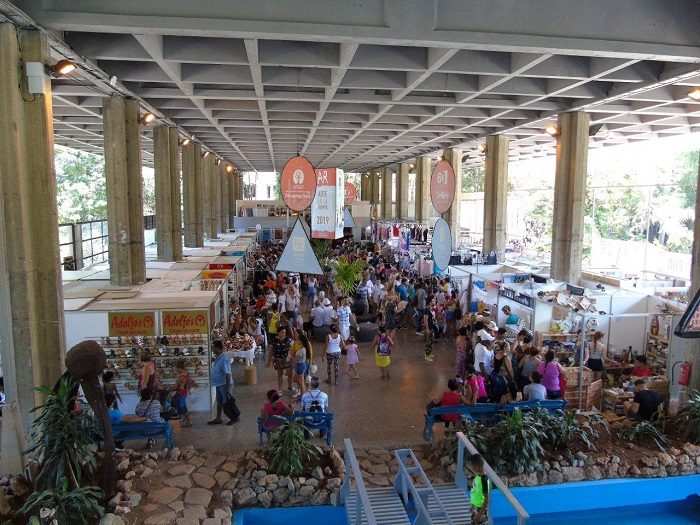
x=370 y=411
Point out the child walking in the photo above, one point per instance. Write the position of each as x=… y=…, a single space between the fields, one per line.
x=182 y=390
x=480 y=489
x=108 y=387
x=383 y=345
x=352 y=358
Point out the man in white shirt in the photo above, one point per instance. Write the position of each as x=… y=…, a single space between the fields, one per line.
x=271 y=300
x=317 y=315
x=314 y=398
x=483 y=353
x=328 y=312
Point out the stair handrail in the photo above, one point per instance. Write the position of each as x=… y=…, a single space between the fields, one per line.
x=461 y=479
x=404 y=479
x=352 y=467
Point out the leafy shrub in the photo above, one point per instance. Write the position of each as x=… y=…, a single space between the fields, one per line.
x=449 y=445
x=688 y=418
x=348 y=274
x=79 y=506
x=570 y=429
x=642 y=430
x=516 y=442
x=288 y=452
x=63 y=442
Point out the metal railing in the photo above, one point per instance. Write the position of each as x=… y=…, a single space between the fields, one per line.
x=88 y=241
x=352 y=469
x=461 y=479
x=421 y=498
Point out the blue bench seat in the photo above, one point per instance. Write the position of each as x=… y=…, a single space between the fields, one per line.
x=312 y=420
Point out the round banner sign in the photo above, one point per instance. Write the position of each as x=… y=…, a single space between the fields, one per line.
x=350 y=193
x=442 y=186
x=442 y=244
x=298 y=183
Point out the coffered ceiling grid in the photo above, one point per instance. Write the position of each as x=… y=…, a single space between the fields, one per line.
x=385 y=81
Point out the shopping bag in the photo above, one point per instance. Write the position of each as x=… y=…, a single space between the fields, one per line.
x=230 y=409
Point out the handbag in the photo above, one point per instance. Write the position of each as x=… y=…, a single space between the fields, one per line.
x=230 y=409
x=562 y=385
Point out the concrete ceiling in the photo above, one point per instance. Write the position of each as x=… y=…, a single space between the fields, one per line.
x=367 y=83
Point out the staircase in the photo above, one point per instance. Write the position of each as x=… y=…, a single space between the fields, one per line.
x=406 y=502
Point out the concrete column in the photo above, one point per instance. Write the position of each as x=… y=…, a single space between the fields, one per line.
x=569 y=196
x=387 y=190
x=496 y=194
x=188 y=195
x=175 y=192
x=402 y=190
x=127 y=260
x=209 y=210
x=224 y=197
x=198 y=195
x=167 y=176
x=365 y=187
x=32 y=342
x=232 y=178
x=375 y=183
x=161 y=169
x=423 y=204
x=692 y=346
x=454 y=156
x=214 y=188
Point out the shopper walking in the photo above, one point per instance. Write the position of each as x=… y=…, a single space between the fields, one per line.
x=352 y=358
x=280 y=346
x=382 y=345
x=334 y=345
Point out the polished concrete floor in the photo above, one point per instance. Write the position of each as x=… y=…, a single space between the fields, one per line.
x=370 y=411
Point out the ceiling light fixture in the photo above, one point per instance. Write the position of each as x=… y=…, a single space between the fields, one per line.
x=412 y=166
x=148 y=119
x=206 y=154
x=185 y=142
x=695 y=94
x=552 y=130
x=218 y=161
x=229 y=168
x=62 y=68
x=482 y=147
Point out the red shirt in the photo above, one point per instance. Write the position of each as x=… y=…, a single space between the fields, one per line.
x=450 y=399
x=641 y=371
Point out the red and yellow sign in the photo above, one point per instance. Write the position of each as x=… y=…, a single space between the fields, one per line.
x=132 y=323
x=298 y=182
x=176 y=322
x=442 y=186
x=350 y=193
x=215 y=274
x=220 y=266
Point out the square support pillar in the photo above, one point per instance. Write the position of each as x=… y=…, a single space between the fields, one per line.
x=496 y=195
x=423 y=205
x=224 y=197
x=175 y=192
x=127 y=258
x=198 y=195
x=452 y=216
x=365 y=191
x=569 y=196
x=214 y=188
x=189 y=195
x=375 y=183
x=401 y=190
x=232 y=179
x=167 y=178
x=387 y=190
x=32 y=340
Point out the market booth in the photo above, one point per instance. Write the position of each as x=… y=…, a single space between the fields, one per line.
x=168 y=325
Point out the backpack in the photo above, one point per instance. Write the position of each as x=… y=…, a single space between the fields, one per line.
x=384 y=347
x=315 y=405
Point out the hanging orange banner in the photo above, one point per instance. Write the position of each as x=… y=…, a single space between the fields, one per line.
x=442 y=186
x=184 y=321
x=298 y=182
x=132 y=323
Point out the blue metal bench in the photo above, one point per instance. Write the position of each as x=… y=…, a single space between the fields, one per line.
x=312 y=421
x=145 y=430
x=487 y=412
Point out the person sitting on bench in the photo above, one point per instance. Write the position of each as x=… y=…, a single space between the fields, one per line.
x=452 y=397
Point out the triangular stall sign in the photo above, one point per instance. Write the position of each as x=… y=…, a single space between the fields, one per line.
x=298 y=256
x=348 y=220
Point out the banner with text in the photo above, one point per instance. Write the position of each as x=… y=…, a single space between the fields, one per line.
x=178 y=322
x=327 y=206
x=442 y=244
x=132 y=323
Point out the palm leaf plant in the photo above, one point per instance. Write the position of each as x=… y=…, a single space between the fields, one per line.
x=64 y=442
x=322 y=250
x=78 y=506
x=288 y=452
x=569 y=429
x=515 y=442
x=688 y=418
x=642 y=430
x=348 y=274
